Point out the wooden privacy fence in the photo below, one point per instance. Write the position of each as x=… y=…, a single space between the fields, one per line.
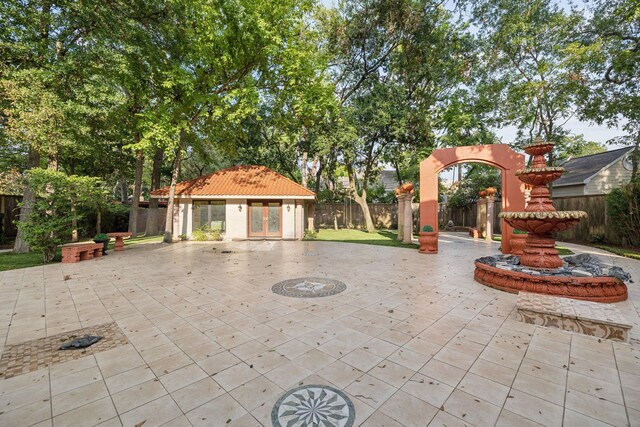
x=349 y=214
x=467 y=216
x=597 y=222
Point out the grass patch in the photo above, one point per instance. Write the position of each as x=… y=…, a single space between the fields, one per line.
x=379 y=238
x=11 y=261
x=625 y=252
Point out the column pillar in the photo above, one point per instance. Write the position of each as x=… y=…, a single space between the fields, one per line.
x=489 y=221
x=400 y=197
x=311 y=212
x=408 y=218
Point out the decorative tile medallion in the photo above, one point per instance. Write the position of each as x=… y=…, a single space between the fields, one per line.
x=18 y=359
x=313 y=405
x=308 y=287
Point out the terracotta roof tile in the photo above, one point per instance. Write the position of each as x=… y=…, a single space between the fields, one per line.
x=239 y=181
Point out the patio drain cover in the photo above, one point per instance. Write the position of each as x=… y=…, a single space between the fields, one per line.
x=313 y=405
x=308 y=287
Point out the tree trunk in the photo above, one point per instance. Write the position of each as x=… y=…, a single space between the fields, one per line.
x=74 y=223
x=361 y=200
x=152 y=214
x=168 y=230
x=99 y=222
x=318 y=178
x=28 y=197
x=124 y=196
x=135 y=202
x=303 y=168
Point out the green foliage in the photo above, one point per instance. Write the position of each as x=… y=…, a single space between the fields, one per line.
x=516 y=231
x=623 y=207
x=597 y=238
x=571 y=146
x=525 y=75
x=206 y=233
x=477 y=178
x=55 y=207
x=427 y=228
x=101 y=237
x=310 y=235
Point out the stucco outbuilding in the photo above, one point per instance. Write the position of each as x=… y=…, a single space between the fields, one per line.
x=244 y=202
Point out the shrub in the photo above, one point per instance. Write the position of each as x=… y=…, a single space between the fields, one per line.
x=310 y=235
x=206 y=233
x=58 y=199
x=623 y=206
x=596 y=238
x=427 y=229
x=101 y=237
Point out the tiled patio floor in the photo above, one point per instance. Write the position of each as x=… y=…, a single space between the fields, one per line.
x=412 y=341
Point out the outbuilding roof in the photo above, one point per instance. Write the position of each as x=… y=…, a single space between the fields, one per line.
x=239 y=181
x=581 y=169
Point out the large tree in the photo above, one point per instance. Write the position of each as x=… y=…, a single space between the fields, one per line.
x=525 y=65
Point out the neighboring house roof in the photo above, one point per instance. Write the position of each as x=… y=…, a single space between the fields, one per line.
x=580 y=170
x=389 y=179
x=239 y=181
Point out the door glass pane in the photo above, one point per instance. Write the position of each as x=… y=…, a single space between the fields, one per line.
x=256 y=217
x=274 y=217
x=218 y=215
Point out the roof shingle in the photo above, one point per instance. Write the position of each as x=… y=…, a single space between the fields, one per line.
x=581 y=168
x=239 y=181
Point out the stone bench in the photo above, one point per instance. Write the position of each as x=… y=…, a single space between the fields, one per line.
x=76 y=252
x=119 y=236
x=590 y=318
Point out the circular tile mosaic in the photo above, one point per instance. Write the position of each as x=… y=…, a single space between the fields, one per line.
x=308 y=287
x=313 y=405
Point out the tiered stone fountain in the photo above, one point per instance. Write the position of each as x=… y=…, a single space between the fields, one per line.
x=540 y=269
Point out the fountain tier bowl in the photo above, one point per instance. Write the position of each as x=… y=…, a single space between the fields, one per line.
x=543 y=222
x=539 y=176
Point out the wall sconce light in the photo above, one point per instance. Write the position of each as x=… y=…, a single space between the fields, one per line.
x=239 y=208
x=288 y=208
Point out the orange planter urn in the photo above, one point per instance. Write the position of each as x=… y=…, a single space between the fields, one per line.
x=428 y=242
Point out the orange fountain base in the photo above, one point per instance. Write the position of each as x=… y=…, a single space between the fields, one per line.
x=598 y=289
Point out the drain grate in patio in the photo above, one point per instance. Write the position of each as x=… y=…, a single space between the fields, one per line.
x=18 y=359
x=317 y=405
x=308 y=287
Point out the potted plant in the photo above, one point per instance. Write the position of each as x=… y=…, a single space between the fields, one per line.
x=518 y=242
x=104 y=239
x=428 y=240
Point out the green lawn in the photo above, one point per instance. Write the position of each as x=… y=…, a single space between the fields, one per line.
x=11 y=261
x=625 y=252
x=380 y=238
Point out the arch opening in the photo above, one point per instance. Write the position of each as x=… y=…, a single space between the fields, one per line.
x=499 y=156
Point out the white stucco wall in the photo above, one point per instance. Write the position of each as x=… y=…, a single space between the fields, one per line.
x=288 y=219
x=236 y=219
x=293 y=218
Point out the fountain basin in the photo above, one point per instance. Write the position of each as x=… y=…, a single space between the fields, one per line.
x=605 y=289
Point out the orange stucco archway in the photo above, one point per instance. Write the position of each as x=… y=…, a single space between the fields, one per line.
x=500 y=156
